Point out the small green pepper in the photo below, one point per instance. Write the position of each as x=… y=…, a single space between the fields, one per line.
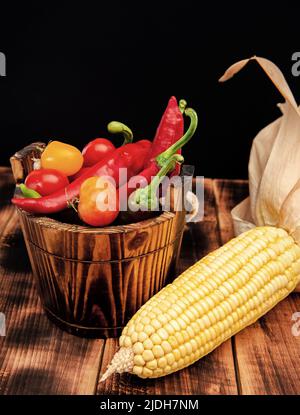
x=146 y=198
x=26 y=192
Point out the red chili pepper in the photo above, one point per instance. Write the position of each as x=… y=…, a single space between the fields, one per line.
x=144 y=178
x=130 y=156
x=78 y=174
x=169 y=131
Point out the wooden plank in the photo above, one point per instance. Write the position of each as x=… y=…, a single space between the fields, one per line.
x=35 y=356
x=228 y=193
x=266 y=364
x=6 y=185
x=215 y=373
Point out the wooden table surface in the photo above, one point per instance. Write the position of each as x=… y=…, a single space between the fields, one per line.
x=38 y=358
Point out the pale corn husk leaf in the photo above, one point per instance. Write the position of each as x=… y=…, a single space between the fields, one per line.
x=233 y=69
x=274 y=164
x=242 y=218
x=289 y=215
x=273 y=72
x=259 y=156
x=282 y=170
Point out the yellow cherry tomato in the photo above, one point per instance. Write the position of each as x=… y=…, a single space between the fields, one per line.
x=63 y=157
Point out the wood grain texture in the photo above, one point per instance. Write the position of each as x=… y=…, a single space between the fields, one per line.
x=268 y=363
x=228 y=193
x=213 y=374
x=35 y=356
x=92 y=281
x=22 y=161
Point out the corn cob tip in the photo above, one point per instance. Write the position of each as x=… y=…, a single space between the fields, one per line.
x=121 y=362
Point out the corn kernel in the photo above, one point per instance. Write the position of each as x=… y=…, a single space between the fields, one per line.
x=162 y=362
x=158 y=372
x=122 y=339
x=127 y=342
x=175 y=325
x=177 y=354
x=166 y=346
x=152 y=364
x=163 y=334
x=142 y=336
x=158 y=351
x=155 y=338
x=137 y=370
x=148 y=355
x=138 y=348
x=138 y=360
x=147 y=373
x=148 y=329
x=134 y=337
x=170 y=358
x=156 y=324
x=182 y=350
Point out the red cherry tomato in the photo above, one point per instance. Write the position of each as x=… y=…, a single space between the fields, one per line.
x=96 y=150
x=46 y=181
x=98 y=201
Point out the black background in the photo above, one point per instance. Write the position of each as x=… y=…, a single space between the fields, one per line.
x=72 y=68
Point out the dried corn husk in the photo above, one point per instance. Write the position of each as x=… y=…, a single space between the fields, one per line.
x=274 y=164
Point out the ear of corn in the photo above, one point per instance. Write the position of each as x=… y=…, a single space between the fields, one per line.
x=221 y=294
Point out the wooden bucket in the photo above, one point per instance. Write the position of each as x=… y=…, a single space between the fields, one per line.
x=92 y=280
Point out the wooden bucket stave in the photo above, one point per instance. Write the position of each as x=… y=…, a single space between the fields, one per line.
x=92 y=280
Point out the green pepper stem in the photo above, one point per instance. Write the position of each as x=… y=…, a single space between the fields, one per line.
x=147 y=196
x=116 y=127
x=182 y=105
x=163 y=157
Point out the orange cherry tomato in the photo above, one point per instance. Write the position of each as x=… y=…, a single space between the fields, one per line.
x=98 y=201
x=63 y=157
